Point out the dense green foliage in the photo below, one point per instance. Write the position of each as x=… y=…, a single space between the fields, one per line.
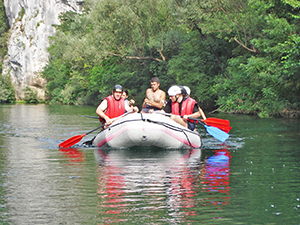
x=7 y=94
x=31 y=96
x=238 y=55
x=3 y=33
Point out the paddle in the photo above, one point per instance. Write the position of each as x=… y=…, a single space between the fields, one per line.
x=219 y=123
x=213 y=131
x=222 y=124
x=73 y=140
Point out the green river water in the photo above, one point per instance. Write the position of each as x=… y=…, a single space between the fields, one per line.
x=253 y=178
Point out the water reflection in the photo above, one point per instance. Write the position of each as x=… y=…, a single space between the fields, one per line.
x=215 y=175
x=41 y=184
x=135 y=182
x=73 y=155
x=172 y=186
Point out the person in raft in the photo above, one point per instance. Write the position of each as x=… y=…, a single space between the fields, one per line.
x=155 y=98
x=113 y=106
x=184 y=107
x=129 y=102
x=187 y=90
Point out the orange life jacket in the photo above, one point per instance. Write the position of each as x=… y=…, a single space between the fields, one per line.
x=187 y=107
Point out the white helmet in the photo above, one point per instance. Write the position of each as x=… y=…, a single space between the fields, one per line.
x=187 y=89
x=174 y=90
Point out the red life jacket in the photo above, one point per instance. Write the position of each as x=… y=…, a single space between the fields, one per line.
x=114 y=108
x=187 y=107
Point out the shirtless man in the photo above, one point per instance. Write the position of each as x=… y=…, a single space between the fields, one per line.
x=155 y=98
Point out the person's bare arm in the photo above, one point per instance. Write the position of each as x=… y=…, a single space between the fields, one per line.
x=129 y=108
x=196 y=114
x=202 y=113
x=160 y=103
x=100 y=112
x=163 y=99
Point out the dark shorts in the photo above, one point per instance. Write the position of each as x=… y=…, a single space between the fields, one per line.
x=191 y=125
x=147 y=108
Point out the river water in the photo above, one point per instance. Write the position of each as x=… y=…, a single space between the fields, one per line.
x=253 y=178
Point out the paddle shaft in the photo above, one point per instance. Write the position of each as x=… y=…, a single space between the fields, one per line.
x=213 y=131
x=73 y=140
x=210 y=121
x=113 y=119
x=169 y=114
x=222 y=124
x=93 y=117
x=95 y=129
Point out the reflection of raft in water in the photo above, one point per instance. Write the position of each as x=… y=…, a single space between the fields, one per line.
x=155 y=130
x=135 y=179
x=148 y=157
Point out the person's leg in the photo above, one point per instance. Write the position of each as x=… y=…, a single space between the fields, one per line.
x=179 y=120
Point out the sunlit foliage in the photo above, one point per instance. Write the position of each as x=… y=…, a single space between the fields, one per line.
x=238 y=56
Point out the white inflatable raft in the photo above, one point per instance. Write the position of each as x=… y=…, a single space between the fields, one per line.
x=137 y=129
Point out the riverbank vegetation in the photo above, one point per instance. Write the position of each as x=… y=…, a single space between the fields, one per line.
x=237 y=56
x=6 y=88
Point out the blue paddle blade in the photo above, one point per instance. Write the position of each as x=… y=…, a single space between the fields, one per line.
x=216 y=133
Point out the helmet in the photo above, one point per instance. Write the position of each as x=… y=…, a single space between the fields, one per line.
x=118 y=88
x=174 y=90
x=183 y=91
x=187 y=89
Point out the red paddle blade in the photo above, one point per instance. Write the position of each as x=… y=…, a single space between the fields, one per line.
x=219 y=123
x=223 y=128
x=71 y=141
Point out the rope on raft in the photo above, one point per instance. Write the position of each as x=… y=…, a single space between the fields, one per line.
x=159 y=123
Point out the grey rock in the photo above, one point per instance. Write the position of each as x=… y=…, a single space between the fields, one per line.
x=31 y=23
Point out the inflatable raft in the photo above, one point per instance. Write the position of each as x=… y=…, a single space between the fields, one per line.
x=138 y=129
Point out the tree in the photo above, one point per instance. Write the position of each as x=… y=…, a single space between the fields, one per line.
x=261 y=83
x=240 y=56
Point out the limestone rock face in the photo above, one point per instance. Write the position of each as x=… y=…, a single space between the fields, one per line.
x=31 y=24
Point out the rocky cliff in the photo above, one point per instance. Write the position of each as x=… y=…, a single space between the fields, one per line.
x=30 y=26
